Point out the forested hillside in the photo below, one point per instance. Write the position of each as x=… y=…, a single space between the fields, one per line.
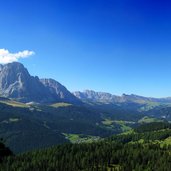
x=26 y=127
x=149 y=150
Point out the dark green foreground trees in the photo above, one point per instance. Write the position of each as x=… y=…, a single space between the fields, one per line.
x=136 y=151
x=97 y=156
x=4 y=151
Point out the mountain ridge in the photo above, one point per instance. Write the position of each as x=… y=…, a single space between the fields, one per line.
x=18 y=84
x=107 y=98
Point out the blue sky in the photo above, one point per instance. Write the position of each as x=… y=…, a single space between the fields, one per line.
x=116 y=46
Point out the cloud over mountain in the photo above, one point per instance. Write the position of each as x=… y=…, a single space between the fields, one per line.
x=7 y=57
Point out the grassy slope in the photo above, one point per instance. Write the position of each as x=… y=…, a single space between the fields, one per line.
x=14 y=103
x=148 y=119
x=123 y=124
x=56 y=105
x=78 y=138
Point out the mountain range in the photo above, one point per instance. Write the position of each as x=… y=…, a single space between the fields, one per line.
x=16 y=83
x=37 y=113
x=107 y=98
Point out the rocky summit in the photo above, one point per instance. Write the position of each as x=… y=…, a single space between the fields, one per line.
x=18 y=84
x=59 y=92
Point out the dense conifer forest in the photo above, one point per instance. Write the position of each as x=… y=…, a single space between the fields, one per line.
x=148 y=149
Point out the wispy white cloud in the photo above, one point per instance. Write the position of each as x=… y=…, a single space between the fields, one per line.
x=7 y=57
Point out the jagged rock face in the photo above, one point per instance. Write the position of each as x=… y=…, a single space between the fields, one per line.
x=13 y=77
x=59 y=91
x=101 y=97
x=17 y=83
x=1 y=66
x=107 y=98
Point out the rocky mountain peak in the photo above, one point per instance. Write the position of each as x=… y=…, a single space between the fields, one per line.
x=12 y=77
x=59 y=90
x=18 y=84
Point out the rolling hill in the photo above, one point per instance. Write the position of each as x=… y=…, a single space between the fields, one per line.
x=26 y=127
